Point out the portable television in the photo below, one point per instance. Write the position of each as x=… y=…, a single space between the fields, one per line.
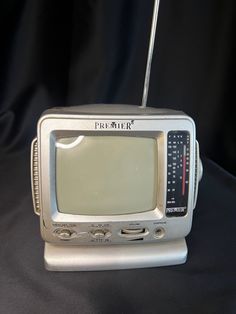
x=115 y=186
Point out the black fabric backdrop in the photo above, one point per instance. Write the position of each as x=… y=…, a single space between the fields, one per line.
x=56 y=53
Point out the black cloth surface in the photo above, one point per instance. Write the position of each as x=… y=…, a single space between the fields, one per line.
x=57 y=53
x=205 y=284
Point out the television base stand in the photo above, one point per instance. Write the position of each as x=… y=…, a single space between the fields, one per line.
x=110 y=257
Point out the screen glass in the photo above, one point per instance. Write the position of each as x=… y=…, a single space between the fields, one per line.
x=106 y=175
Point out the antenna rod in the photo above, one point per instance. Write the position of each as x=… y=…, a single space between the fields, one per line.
x=150 y=54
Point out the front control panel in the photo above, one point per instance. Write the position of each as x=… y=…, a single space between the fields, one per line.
x=105 y=235
x=178 y=151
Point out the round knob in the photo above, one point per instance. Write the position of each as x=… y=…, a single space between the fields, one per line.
x=98 y=234
x=64 y=234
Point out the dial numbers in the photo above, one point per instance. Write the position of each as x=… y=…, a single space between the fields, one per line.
x=178 y=159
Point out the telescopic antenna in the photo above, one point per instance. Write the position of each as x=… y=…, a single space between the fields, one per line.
x=150 y=54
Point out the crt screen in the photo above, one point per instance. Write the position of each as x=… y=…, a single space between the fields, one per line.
x=106 y=175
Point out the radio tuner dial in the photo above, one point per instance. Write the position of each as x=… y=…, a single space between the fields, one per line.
x=178 y=167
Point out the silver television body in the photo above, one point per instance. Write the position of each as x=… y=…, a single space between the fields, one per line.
x=102 y=242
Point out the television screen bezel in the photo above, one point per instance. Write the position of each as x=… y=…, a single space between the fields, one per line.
x=141 y=125
x=75 y=136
